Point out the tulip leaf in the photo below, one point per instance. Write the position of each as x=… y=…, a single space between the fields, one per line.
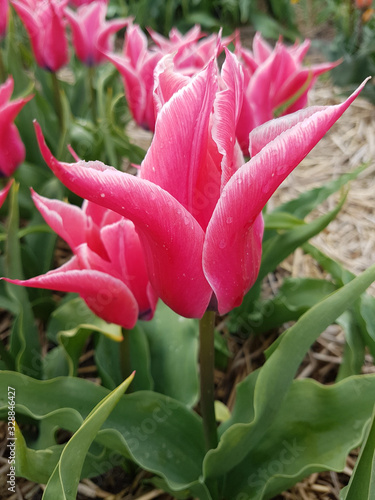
x=362 y=309
x=38 y=464
x=354 y=350
x=362 y=481
x=64 y=480
x=158 y=433
x=315 y=429
x=278 y=248
x=24 y=340
x=35 y=465
x=294 y=298
x=108 y=360
x=173 y=342
x=276 y=376
x=73 y=315
x=302 y=205
x=281 y=221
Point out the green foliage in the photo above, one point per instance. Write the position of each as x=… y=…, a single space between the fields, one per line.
x=276 y=18
x=362 y=482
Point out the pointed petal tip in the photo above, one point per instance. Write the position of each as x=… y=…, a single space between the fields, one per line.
x=44 y=149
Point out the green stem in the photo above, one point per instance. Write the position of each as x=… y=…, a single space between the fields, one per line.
x=57 y=99
x=125 y=354
x=206 y=360
x=93 y=94
x=3 y=72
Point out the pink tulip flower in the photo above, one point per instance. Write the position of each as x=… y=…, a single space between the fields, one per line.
x=12 y=150
x=4 y=12
x=275 y=83
x=44 y=22
x=196 y=206
x=138 y=62
x=91 y=32
x=107 y=269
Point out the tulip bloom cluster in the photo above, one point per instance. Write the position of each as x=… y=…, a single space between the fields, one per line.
x=275 y=83
x=197 y=206
x=91 y=32
x=107 y=268
x=138 y=62
x=45 y=22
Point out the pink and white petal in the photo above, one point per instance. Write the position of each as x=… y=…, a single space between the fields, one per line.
x=167 y=81
x=6 y=90
x=10 y=110
x=299 y=81
x=68 y=221
x=235 y=221
x=12 y=149
x=179 y=147
x=232 y=271
x=80 y=38
x=127 y=259
x=261 y=49
x=134 y=88
x=262 y=135
x=135 y=46
x=109 y=28
x=299 y=50
x=4 y=192
x=227 y=108
x=171 y=238
x=108 y=297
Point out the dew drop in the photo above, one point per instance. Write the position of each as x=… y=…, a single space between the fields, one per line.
x=239 y=180
x=222 y=244
x=102 y=195
x=229 y=220
x=186 y=220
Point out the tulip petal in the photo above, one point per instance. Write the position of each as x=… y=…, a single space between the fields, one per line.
x=126 y=254
x=171 y=237
x=167 y=81
x=6 y=90
x=105 y=295
x=178 y=152
x=66 y=220
x=262 y=135
x=4 y=192
x=227 y=108
x=228 y=260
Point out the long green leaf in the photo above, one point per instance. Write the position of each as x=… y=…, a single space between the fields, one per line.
x=277 y=374
x=24 y=342
x=362 y=482
x=315 y=429
x=160 y=434
x=306 y=202
x=64 y=481
x=173 y=342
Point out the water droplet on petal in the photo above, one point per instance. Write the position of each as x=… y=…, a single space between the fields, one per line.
x=222 y=244
x=229 y=220
x=102 y=195
x=239 y=180
x=186 y=220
